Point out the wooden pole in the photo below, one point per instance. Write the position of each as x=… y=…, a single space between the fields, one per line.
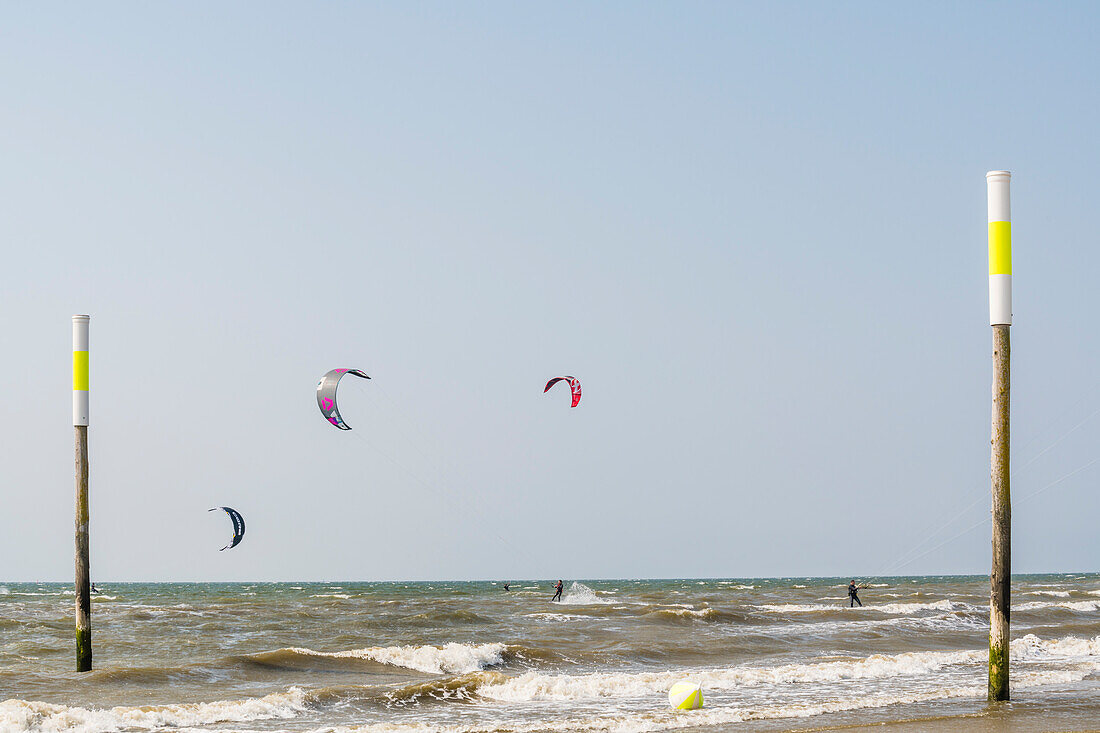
x=1000 y=318
x=83 y=579
x=1000 y=577
x=80 y=427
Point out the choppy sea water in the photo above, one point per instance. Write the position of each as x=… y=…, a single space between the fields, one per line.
x=770 y=654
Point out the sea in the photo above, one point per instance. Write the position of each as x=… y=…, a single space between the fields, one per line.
x=769 y=654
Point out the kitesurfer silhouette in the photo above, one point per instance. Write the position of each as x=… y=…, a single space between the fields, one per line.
x=853 y=597
x=557 y=596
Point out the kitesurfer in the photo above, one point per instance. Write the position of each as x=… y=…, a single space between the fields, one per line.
x=505 y=586
x=557 y=588
x=93 y=589
x=853 y=597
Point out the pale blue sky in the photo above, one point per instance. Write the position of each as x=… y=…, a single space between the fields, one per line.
x=756 y=233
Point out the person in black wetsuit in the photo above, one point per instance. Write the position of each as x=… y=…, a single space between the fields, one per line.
x=853 y=597
x=557 y=595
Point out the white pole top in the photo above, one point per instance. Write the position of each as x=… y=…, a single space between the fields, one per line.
x=997 y=187
x=80 y=333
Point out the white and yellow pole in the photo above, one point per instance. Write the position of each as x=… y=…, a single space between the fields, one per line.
x=1000 y=318
x=1000 y=248
x=80 y=425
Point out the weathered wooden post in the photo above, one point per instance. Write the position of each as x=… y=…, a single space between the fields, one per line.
x=80 y=425
x=1000 y=318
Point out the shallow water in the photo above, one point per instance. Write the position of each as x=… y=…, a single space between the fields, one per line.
x=770 y=654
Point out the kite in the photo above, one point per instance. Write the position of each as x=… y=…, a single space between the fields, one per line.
x=238 y=525
x=326 y=395
x=574 y=385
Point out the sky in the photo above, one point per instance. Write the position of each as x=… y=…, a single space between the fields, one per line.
x=756 y=232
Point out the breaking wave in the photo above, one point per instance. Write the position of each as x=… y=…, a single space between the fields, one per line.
x=536 y=686
x=685 y=613
x=449 y=659
x=580 y=594
x=462 y=688
x=22 y=715
x=708 y=614
x=470 y=682
x=894 y=608
x=557 y=616
x=1071 y=605
x=456 y=616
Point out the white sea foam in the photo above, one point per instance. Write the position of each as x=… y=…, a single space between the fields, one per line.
x=330 y=595
x=19 y=715
x=652 y=721
x=894 y=608
x=937 y=622
x=798 y=607
x=180 y=609
x=1032 y=647
x=449 y=659
x=23 y=715
x=1072 y=605
x=536 y=686
x=944 y=605
x=580 y=594
x=1055 y=593
x=688 y=611
x=648 y=722
x=556 y=616
x=4 y=590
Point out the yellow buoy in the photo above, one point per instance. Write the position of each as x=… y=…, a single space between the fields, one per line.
x=685 y=695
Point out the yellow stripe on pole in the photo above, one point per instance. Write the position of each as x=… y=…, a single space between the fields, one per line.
x=1000 y=248
x=80 y=371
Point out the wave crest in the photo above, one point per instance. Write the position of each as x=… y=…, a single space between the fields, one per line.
x=1088 y=606
x=448 y=659
x=23 y=715
x=452 y=689
x=535 y=686
x=894 y=608
x=580 y=594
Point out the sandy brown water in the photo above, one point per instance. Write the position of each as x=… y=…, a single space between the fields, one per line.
x=770 y=654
